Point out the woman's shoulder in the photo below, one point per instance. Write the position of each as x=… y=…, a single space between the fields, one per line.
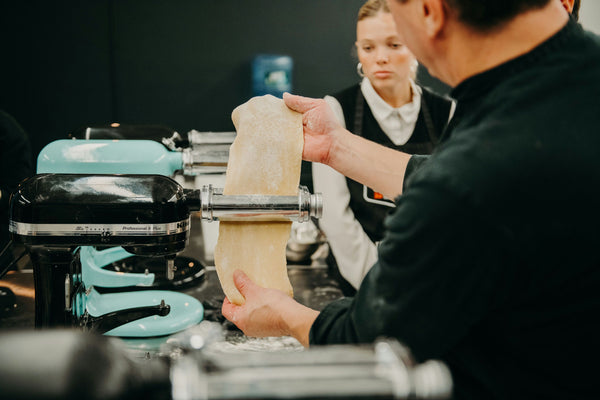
x=346 y=94
x=438 y=104
x=433 y=96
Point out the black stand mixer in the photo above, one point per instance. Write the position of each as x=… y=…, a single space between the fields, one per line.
x=58 y=215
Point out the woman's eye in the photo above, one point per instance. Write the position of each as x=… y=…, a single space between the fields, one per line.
x=367 y=48
x=396 y=45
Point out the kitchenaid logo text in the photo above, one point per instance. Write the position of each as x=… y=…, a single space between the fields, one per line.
x=136 y=228
x=182 y=225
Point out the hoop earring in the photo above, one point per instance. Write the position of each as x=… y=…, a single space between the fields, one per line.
x=359 y=70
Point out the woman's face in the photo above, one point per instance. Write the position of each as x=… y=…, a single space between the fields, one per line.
x=385 y=60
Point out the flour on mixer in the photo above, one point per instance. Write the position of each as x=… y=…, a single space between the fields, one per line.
x=265 y=158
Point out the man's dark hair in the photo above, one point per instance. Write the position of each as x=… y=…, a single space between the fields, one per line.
x=486 y=15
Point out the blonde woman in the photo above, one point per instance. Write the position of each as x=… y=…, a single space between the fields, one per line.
x=386 y=107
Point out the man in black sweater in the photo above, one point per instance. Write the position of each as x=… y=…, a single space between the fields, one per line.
x=490 y=258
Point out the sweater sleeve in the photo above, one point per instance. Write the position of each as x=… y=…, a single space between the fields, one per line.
x=432 y=282
x=414 y=163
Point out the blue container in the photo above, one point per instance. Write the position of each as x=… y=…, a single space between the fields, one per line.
x=271 y=74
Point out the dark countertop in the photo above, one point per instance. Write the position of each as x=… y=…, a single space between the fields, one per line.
x=312 y=286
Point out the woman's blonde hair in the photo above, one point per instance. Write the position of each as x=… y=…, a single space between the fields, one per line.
x=371 y=8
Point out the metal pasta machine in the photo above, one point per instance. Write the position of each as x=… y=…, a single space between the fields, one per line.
x=192 y=367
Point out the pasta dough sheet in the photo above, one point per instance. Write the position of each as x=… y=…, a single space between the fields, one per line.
x=265 y=158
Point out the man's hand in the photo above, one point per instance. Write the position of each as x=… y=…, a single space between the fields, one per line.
x=321 y=127
x=268 y=312
x=325 y=141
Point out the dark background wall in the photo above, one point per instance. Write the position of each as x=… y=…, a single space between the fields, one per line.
x=180 y=63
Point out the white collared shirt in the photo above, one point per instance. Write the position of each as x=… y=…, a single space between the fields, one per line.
x=397 y=123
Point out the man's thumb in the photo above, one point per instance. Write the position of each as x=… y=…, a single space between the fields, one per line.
x=242 y=282
x=298 y=103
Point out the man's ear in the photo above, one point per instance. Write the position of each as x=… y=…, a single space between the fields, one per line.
x=434 y=16
x=568 y=5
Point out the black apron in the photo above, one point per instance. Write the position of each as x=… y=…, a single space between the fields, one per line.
x=368 y=206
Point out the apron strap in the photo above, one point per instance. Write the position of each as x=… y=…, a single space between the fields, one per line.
x=359 y=110
x=429 y=125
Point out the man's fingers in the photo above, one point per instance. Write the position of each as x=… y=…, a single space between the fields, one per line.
x=299 y=103
x=229 y=310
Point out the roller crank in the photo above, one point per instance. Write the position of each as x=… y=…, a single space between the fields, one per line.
x=214 y=205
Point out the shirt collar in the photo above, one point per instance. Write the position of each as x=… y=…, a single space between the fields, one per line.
x=381 y=110
x=480 y=84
